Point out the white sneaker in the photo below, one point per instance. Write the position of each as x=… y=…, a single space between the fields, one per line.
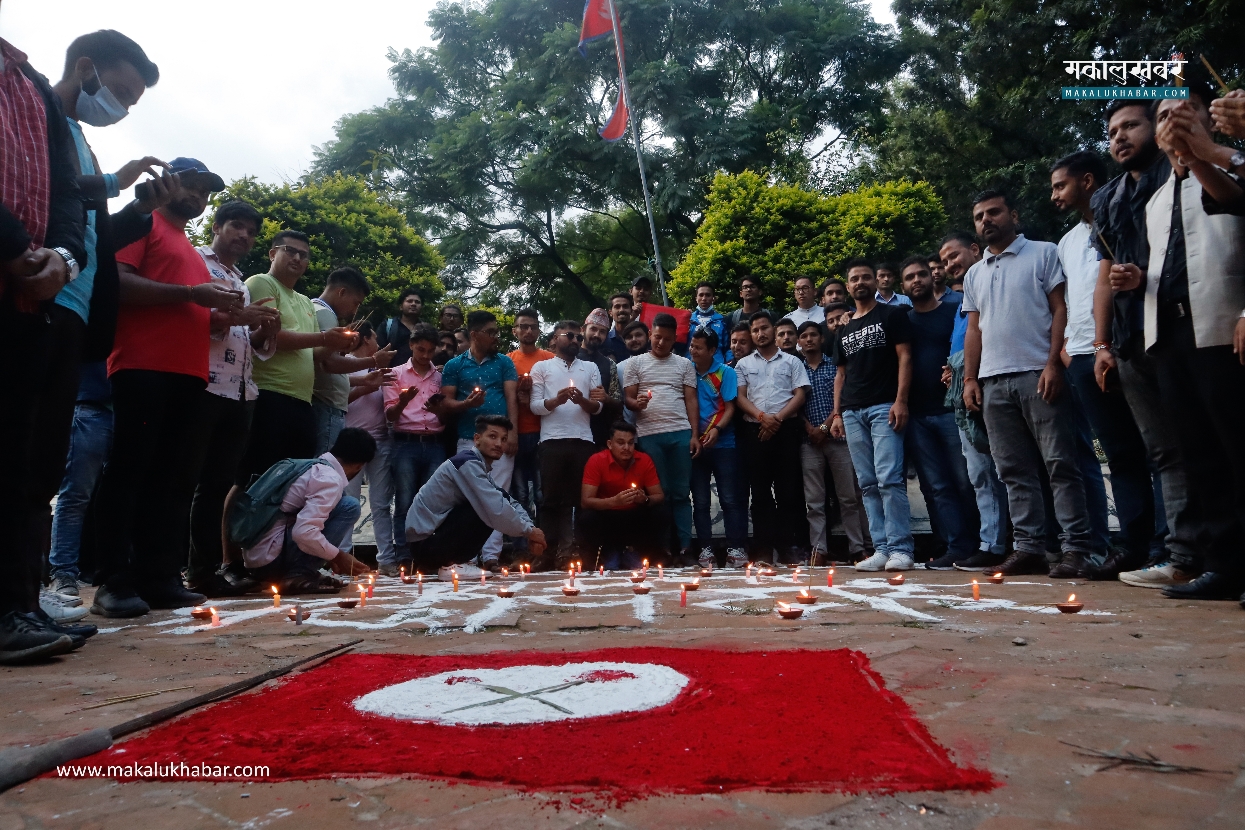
x=59 y=611
x=736 y=558
x=900 y=562
x=466 y=573
x=876 y=562
x=1156 y=576
x=708 y=559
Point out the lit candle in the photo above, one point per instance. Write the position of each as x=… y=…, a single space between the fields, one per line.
x=661 y=572
x=276 y=598
x=420 y=579
x=371 y=583
x=795 y=577
x=601 y=572
x=682 y=596
x=976 y=590
x=830 y=578
x=748 y=572
x=402 y=572
x=523 y=572
x=215 y=618
x=482 y=575
x=570 y=577
x=362 y=597
x=650 y=394
x=455 y=582
x=505 y=573
x=645 y=564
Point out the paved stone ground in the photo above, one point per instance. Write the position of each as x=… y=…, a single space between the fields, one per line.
x=1140 y=674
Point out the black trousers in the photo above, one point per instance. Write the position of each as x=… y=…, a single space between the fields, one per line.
x=145 y=492
x=775 y=479
x=562 y=463
x=645 y=528
x=281 y=427
x=458 y=539
x=1204 y=391
x=219 y=441
x=38 y=387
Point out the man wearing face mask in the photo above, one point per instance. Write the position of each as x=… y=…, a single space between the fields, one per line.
x=159 y=369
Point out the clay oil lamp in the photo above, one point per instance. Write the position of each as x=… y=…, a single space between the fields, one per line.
x=805 y=598
x=787 y=612
x=1071 y=606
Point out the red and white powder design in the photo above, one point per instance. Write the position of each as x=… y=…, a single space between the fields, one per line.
x=693 y=721
x=527 y=694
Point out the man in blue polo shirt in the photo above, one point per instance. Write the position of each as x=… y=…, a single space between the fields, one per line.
x=482 y=382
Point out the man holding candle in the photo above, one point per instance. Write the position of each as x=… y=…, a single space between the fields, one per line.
x=292 y=552
x=661 y=391
x=411 y=409
x=367 y=412
x=622 y=503
x=596 y=331
x=566 y=392
x=477 y=382
x=526 y=485
x=461 y=505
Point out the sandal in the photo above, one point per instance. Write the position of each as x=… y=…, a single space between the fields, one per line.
x=296 y=585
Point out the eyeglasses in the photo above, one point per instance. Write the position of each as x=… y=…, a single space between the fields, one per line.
x=296 y=253
x=491 y=332
x=803 y=288
x=579 y=338
x=526 y=326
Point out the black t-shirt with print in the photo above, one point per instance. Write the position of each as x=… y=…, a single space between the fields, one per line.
x=866 y=346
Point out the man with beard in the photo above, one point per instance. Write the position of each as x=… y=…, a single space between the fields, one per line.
x=526 y=484
x=158 y=369
x=1013 y=375
x=750 y=298
x=785 y=336
x=620 y=307
x=1120 y=357
x=566 y=393
x=450 y=319
x=741 y=343
x=596 y=330
x=397 y=332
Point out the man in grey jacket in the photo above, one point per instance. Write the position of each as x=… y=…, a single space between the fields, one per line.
x=457 y=509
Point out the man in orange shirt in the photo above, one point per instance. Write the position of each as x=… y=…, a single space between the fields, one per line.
x=526 y=486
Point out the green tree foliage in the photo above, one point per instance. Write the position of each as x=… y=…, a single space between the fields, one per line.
x=348 y=225
x=978 y=103
x=491 y=144
x=778 y=232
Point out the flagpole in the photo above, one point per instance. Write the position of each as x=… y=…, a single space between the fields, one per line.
x=639 y=159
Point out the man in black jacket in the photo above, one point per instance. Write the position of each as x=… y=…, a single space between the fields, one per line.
x=41 y=246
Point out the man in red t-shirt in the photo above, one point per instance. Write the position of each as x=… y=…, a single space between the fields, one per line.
x=622 y=507
x=159 y=369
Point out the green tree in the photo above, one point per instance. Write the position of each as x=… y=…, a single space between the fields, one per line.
x=491 y=142
x=778 y=232
x=348 y=225
x=978 y=103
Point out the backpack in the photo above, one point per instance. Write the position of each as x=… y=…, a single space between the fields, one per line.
x=259 y=507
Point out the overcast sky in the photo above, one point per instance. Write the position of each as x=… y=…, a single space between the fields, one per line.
x=247 y=86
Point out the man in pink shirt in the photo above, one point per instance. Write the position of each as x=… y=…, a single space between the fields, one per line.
x=321 y=517
x=412 y=404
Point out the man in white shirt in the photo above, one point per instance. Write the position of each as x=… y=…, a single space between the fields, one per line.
x=661 y=391
x=566 y=393
x=806 y=307
x=1074 y=180
x=317 y=519
x=223 y=416
x=772 y=387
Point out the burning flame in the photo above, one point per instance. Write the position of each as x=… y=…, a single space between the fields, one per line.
x=1071 y=597
x=784 y=606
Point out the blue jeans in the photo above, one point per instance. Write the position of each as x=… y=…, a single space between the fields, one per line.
x=933 y=441
x=1095 y=489
x=672 y=456
x=329 y=422
x=411 y=464
x=89 y=444
x=722 y=463
x=991 y=497
x=337 y=529
x=877 y=455
x=380 y=499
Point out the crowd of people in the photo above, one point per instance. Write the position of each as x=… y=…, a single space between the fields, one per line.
x=206 y=433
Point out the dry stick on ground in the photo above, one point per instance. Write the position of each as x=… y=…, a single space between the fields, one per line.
x=126 y=698
x=1149 y=761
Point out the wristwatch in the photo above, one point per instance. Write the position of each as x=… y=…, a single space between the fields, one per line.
x=823 y=428
x=1236 y=162
x=71 y=264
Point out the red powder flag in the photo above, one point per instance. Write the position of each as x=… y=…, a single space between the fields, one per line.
x=682 y=316
x=626 y=721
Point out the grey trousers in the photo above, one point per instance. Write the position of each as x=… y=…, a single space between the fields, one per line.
x=1139 y=380
x=1027 y=433
x=835 y=455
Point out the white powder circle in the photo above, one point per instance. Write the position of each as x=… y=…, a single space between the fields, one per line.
x=527 y=694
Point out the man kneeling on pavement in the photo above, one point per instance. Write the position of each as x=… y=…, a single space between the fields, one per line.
x=316 y=523
x=460 y=505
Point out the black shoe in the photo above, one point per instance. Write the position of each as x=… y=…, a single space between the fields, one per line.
x=215 y=585
x=235 y=573
x=24 y=639
x=118 y=603
x=982 y=560
x=79 y=632
x=170 y=594
x=949 y=561
x=1118 y=560
x=1071 y=565
x=1209 y=585
x=1020 y=563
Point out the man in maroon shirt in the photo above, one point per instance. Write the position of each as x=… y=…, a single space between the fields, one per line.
x=622 y=506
